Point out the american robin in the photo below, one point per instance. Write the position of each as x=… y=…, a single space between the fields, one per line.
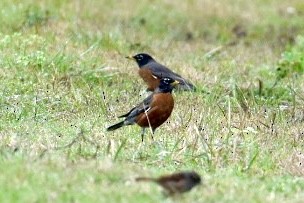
x=153 y=111
x=151 y=72
x=176 y=182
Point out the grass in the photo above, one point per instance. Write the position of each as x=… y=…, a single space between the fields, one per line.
x=64 y=79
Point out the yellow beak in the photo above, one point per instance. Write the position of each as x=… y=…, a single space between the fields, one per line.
x=175 y=83
x=130 y=57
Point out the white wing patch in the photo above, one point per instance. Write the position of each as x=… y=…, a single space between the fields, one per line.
x=148 y=109
x=154 y=76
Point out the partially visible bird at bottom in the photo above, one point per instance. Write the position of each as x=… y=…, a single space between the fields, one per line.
x=153 y=111
x=176 y=183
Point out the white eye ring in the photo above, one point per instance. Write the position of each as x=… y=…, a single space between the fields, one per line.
x=167 y=80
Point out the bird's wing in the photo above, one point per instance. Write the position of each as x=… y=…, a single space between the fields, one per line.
x=140 y=108
x=176 y=177
x=161 y=71
x=174 y=183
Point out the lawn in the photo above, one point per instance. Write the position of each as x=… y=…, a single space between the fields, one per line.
x=64 y=79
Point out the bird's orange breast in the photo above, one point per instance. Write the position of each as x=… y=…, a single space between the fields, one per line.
x=147 y=75
x=160 y=110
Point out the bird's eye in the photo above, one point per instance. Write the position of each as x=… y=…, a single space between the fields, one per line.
x=167 y=80
x=140 y=57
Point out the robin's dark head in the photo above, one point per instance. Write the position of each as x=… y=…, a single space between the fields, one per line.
x=194 y=177
x=141 y=59
x=167 y=84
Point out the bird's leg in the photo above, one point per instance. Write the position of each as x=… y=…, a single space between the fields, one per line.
x=142 y=134
x=153 y=130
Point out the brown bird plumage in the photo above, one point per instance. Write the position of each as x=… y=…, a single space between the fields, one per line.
x=151 y=72
x=153 y=111
x=176 y=183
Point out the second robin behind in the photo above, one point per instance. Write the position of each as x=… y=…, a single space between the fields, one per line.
x=151 y=72
x=153 y=111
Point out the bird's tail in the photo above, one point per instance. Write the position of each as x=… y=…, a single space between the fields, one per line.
x=186 y=86
x=145 y=179
x=115 y=126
